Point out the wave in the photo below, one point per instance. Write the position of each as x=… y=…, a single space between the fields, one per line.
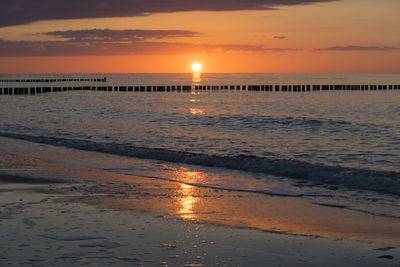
x=265 y=121
x=365 y=179
x=273 y=192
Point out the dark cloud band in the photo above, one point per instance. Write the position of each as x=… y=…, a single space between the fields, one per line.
x=358 y=48
x=18 y=12
x=96 y=47
x=119 y=35
x=280 y=37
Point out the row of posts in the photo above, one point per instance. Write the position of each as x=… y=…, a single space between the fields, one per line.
x=43 y=90
x=52 y=80
x=189 y=88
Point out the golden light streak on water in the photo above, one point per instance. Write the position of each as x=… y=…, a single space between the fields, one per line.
x=187 y=193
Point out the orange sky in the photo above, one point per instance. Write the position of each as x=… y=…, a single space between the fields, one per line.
x=347 y=36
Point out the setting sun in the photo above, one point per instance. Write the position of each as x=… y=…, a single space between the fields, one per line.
x=196 y=67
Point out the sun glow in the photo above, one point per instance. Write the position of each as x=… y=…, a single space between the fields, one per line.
x=196 y=67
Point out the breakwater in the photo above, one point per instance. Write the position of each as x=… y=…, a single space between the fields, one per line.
x=52 y=80
x=189 y=88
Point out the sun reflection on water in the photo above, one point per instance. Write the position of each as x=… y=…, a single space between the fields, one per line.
x=187 y=202
x=196 y=111
x=196 y=78
x=187 y=193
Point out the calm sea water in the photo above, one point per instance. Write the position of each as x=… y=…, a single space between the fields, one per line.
x=323 y=145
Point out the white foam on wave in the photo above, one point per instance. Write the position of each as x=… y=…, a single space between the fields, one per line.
x=381 y=181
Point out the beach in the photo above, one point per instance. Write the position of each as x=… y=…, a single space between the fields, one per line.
x=200 y=178
x=58 y=214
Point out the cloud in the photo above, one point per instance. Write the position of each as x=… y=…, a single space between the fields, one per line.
x=358 y=48
x=117 y=42
x=280 y=37
x=118 y=35
x=19 y=12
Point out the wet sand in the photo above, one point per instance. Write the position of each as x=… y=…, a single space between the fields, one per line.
x=85 y=216
x=42 y=226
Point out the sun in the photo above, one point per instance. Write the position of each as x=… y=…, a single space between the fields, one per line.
x=196 y=67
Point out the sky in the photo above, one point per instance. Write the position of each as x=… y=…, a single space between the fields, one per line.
x=238 y=36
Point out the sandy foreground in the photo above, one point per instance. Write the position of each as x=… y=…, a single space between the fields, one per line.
x=52 y=214
x=41 y=227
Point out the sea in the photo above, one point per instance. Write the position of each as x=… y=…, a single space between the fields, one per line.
x=336 y=148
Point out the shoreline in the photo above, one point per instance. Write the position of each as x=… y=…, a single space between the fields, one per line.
x=305 y=232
